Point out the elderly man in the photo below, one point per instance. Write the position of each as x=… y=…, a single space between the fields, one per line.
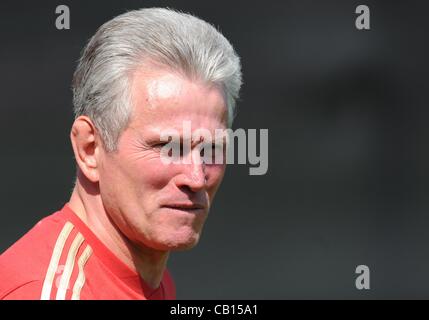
x=143 y=73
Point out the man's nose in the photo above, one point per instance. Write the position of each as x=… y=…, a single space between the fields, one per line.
x=194 y=172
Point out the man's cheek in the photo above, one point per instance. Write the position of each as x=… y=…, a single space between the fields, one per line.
x=216 y=174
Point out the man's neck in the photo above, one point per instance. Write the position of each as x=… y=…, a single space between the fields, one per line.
x=149 y=263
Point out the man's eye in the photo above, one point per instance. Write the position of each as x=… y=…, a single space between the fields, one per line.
x=217 y=153
x=176 y=149
x=160 y=144
x=213 y=147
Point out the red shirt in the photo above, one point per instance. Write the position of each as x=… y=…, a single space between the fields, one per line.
x=61 y=258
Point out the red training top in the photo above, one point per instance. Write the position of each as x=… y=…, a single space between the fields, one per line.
x=61 y=258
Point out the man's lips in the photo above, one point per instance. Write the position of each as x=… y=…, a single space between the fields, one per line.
x=185 y=206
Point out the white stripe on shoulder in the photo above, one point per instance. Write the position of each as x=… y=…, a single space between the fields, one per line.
x=80 y=281
x=55 y=258
x=68 y=269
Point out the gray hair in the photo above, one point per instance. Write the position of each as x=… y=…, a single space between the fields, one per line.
x=176 y=40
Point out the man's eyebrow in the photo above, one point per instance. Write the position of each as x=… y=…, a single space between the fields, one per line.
x=155 y=134
x=148 y=135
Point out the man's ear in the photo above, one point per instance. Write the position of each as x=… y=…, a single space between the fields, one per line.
x=86 y=147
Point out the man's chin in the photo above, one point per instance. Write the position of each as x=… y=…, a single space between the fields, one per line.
x=177 y=243
x=184 y=247
x=181 y=244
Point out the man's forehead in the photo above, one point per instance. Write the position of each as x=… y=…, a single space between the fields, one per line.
x=165 y=87
x=166 y=100
x=158 y=120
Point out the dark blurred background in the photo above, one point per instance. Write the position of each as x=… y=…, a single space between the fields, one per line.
x=347 y=117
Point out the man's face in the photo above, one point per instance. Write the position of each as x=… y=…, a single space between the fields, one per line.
x=158 y=205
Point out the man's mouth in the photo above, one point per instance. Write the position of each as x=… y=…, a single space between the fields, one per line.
x=189 y=207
